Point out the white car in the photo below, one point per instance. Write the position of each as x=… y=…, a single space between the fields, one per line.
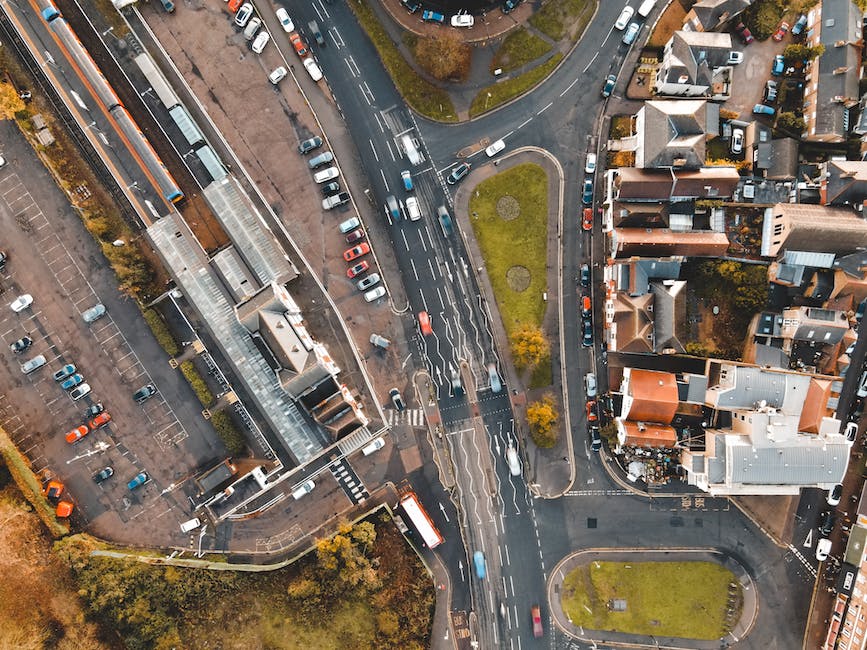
x=862 y=388
x=277 y=75
x=21 y=303
x=326 y=175
x=834 y=495
x=313 y=69
x=623 y=18
x=590 y=165
x=736 y=57
x=737 y=143
x=512 y=459
x=374 y=294
x=412 y=208
x=285 y=20
x=244 y=14
x=494 y=148
x=94 y=313
x=590 y=384
x=261 y=41
x=79 y=391
x=463 y=20
x=823 y=548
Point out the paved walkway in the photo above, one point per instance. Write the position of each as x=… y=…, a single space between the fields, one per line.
x=549 y=476
x=743 y=625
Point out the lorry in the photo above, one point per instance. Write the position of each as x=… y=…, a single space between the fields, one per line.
x=411 y=150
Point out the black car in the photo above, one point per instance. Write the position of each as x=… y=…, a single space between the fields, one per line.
x=93 y=410
x=21 y=344
x=595 y=439
x=585 y=275
x=587 y=192
x=587 y=341
x=103 y=474
x=411 y=5
x=509 y=6
x=826 y=523
x=329 y=189
x=396 y=399
x=145 y=392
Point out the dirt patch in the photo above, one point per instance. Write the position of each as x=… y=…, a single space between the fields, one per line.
x=518 y=278
x=508 y=208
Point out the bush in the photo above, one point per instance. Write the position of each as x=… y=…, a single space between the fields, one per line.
x=200 y=388
x=542 y=418
x=228 y=433
x=444 y=56
x=161 y=332
x=763 y=17
x=788 y=121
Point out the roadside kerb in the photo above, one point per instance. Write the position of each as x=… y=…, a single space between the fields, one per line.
x=462 y=197
x=745 y=623
x=423 y=386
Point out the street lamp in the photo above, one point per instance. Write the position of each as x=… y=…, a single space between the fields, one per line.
x=486 y=101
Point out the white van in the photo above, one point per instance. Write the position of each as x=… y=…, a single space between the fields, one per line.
x=192 y=524
x=305 y=488
x=646 y=7
x=376 y=445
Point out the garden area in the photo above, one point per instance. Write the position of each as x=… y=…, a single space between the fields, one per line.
x=692 y=600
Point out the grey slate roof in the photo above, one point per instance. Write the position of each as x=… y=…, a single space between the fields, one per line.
x=713 y=13
x=841 y=25
x=674 y=130
x=784 y=391
x=795 y=464
x=852 y=264
x=768 y=355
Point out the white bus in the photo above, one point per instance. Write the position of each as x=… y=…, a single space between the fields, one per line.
x=420 y=519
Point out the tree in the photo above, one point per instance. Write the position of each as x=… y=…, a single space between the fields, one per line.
x=10 y=102
x=529 y=346
x=542 y=416
x=444 y=56
x=788 y=121
x=343 y=556
x=798 y=53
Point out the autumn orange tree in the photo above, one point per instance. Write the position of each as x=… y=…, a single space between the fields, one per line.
x=444 y=56
x=542 y=418
x=529 y=346
x=10 y=102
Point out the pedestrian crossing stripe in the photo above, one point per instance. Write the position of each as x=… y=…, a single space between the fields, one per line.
x=412 y=417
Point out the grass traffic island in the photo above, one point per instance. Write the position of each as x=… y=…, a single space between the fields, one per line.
x=509 y=215
x=500 y=93
x=690 y=600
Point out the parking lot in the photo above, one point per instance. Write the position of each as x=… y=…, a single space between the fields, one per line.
x=53 y=258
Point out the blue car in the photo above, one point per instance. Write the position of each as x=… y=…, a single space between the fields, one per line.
x=138 y=480
x=66 y=371
x=432 y=16
x=479 y=562
x=587 y=193
x=761 y=109
x=798 y=27
x=71 y=382
x=406 y=177
x=778 y=66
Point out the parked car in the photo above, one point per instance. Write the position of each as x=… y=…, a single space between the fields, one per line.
x=462 y=20
x=365 y=283
x=144 y=393
x=761 y=109
x=587 y=337
x=349 y=225
x=595 y=439
x=33 y=364
x=277 y=75
x=21 y=303
x=313 y=69
x=587 y=219
x=357 y=269
x=411 y=5
x=458 y=173
x=94 y=313
x=329 y=189
x=509 y=6
x=586 y=306
x=310 y=144
x=585 y=275
x=77 y=434
x=138 y=480
x=252 y=27
x=823 y=549
x=862 y=386
x=590 y=384
x=781 y=32
x=590 y=164
x=66 y=371
x=244 y=14
x=745 y=34
x=100 y=421
x=79 y=391
x=799 y=25
x=630 y=33
x=21 y=344
x=770 y=91
x=432 y=16
x=778 y=66
x=735 y=58
x=608 y=88
x=396 y=399
x=834 y=495
x=103 y=475
x=587 y=192
x=494 y=148
x=406 y=179
x=285 y=20
x=374 y=294
x=71 y=382
x=356 y=251
x=354 y=236
x=737 y=141
x=322 y=159
x=826 y=523
x=299 y=45
x=590 y=409
x=623 y=18
x=326 y=175
x=333 y=201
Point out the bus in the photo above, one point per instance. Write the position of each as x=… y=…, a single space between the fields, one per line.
x=420 y=519
x=479 y=562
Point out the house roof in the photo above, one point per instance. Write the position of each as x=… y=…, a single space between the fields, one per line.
x=808 y=227
x=852 y=264
x=712 y=13
x=782 y=162
x=808 y=460
x=634 y=275
x=648 y=434
x=839 y=66
x=633 y=322
x=669 y=309
x=661 y=242
x=845 y=182
x=742 y=387
x=666 y=184
x=696 y=54
x=815 y=405
x=654 y=396
x=671 y=134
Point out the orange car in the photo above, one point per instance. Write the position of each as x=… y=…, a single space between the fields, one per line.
x=77 y=434
x=361 y=267
x=356 y=251
x=298 y=44
x=100 y=421
x=53 y=490
x=591 y=411
x=586 y=305
x=64 y=509
x=424 y=323
x=234 y=5
x=587 y=220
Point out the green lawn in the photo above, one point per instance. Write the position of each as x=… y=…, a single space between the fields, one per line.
x=502 y=92
x=421 y=95
x=519 y=48
x=681 y=599
x=521 y=241
x=558 y=18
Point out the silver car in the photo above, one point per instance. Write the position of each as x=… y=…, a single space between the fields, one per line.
x=94 y=313
x=365 y=283
x=32 y=364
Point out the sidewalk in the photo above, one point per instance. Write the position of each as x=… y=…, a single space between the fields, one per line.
x=550 y=476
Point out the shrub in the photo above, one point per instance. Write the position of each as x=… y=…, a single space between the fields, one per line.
x=161 y=332
x=444 y=56
x=542 y=418
x=228 y=433
x=763 y=17
x=199 y=386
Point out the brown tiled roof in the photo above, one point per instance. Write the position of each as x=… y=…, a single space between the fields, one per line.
x=654 y=396
x=815 y=405
x=649 y=434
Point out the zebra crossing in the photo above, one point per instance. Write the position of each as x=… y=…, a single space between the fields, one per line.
x=411 y=417
x=349 y=481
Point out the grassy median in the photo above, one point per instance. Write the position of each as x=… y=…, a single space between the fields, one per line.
x=500 y=93
x=681 y=599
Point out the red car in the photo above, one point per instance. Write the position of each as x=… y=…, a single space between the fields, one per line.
x=356 y=251
x=298 y=44
x=77 y=434
x=781 y=31
x=538 y=632
x=358 y=269
x=100 y=421
x=591 y=411
x=586 y=305
x=424 y=323
x=587 y=220
x=354 y=236
x=746 y=35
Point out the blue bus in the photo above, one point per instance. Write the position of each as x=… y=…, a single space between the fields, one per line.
x=479 y=561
